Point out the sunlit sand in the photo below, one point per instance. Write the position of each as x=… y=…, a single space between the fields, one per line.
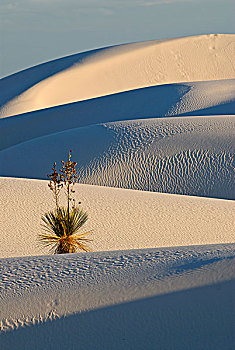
x=151 y=126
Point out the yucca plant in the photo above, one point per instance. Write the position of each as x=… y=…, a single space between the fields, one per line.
x=61 y=230
x=61 y=225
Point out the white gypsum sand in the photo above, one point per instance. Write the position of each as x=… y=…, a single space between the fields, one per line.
x=119 y=68
x=159 y=292
x=173 y=155
x=191 y=99
x=120 y=219
x=143 y=118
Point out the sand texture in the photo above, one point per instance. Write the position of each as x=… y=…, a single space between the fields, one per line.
x=151 y=125
x=120 y=68
x=154 y=291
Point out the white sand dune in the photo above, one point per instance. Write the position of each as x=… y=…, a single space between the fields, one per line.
x=109 y=300
x=191 y=99
x=120 y=68
x=171 y=155
x=120 y=219
x=181 y=155
x=147 y=117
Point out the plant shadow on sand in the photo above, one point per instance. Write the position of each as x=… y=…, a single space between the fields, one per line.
x=198 y=318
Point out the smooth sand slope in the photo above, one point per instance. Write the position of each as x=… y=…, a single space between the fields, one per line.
x=183 y=156
x=120 y=219
x=121 y=68
x=141 y=119
x=191 y=99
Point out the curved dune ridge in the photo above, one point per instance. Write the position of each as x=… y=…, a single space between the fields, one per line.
x=119 y=218
x=182 y=155
x=172 y=285
x=151 y=125
x=185 y=99
x=116 y=69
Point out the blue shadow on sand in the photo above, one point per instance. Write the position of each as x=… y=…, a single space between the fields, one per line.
x=195 y=319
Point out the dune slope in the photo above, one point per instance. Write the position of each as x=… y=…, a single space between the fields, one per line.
x=121 y=68
x=131 y=291
x=183 y=155
x=195 y=98
x=119 y=218
x=141 y=119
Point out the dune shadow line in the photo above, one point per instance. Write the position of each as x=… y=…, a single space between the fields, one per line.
x=199 y=318
x=149 y=102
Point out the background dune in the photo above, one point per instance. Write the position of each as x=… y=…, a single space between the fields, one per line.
x=120 y=68
x=190 y=155
x=198 y=99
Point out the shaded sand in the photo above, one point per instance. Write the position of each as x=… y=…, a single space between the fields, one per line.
x=162 y=293
x=147 y=117
x=195 y=98
x=188 y=319
x=120 y=68
x=189 y=155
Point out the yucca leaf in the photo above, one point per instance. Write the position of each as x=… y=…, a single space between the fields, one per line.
x=61 y=230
